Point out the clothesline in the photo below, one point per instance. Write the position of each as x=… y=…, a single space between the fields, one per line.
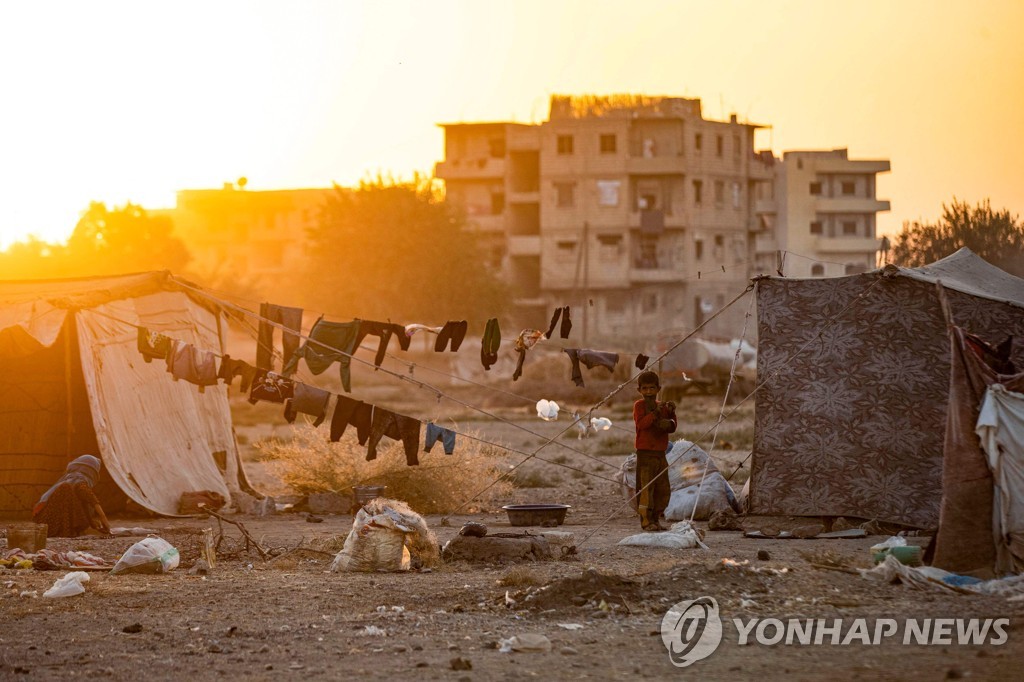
x=461 y=433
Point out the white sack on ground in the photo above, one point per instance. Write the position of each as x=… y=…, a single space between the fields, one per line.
x=686 y=463
x=150 y=555
x=386 y=535
x=682 y=535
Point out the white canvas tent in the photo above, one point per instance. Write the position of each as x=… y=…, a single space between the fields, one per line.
x=74 y=382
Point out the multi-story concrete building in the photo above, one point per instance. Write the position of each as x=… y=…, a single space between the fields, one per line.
x=816 y=213
x=634 y=210
x=647 y=217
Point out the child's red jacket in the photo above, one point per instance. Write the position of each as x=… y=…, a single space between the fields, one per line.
x=648 y=435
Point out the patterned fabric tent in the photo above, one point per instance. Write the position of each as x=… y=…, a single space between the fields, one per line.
x=856 y=370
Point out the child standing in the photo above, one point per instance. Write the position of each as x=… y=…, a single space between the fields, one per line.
x=654 y=421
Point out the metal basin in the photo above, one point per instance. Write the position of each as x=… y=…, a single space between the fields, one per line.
x=535 y=514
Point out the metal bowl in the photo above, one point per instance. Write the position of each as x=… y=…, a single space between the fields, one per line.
x=535 y=514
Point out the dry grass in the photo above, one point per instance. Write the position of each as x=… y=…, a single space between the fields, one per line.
x=519 y=576
x=310 y=463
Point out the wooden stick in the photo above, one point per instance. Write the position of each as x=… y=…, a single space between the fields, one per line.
x=249 y=540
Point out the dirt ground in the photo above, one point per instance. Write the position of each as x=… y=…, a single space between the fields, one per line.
x=255 y=619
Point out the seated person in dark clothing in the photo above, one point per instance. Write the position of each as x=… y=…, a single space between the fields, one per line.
x=70 y=508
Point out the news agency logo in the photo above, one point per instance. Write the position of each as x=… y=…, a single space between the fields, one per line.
x=691 y=631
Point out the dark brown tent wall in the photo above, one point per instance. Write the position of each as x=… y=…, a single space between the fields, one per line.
x=45 y=420
x=851 y=418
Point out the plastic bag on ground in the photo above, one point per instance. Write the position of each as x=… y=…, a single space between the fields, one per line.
x=682 y=535
x=386 y=536
x=150 y=555
x=686 y=462
x=68 y=585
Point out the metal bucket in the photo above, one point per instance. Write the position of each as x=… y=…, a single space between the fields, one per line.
x=365 y=493
x=29 y=537
x=535 y=514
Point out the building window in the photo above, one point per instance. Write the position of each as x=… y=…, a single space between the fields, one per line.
x=697 y=187
x=698 y=142
x=608 y=192
x=609 y=247
x=816 y=189
x=698 y=249
x=817 y=270
x=849 y=188
x=816 y=227
x=719 y=192
x=849 y=228
x=565 y=251
x=497 y=203
x=565 y=144
x=565 y=194
x=736 y=147
x=736 y=195
x=608 y=143
x=719 y=146
x=497 y=147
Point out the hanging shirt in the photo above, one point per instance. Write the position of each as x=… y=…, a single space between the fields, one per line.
x=490 y=343
x=270 y=387
x=231 y=368
x=153 y=345
x=590 y=358
x=384 y=331
x=328 y=342
x=194 y=365
x=307 y=400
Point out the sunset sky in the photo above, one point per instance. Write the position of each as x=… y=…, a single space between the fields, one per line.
x=117 y=101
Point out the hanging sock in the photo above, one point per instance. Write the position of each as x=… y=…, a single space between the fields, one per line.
x=490 y=343
x=566 y=325
x=641 y=361
x=291 y=319
x=453 y=330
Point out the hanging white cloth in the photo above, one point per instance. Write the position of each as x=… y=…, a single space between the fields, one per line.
x=1001 y=429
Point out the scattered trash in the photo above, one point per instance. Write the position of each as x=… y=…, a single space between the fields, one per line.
x=149 y=555
x=745 y=567
x=31 y=594
x=373 y=631
x=200 y=567
x=121 y=531
x=525 y=643
x=681 y=535
x=310 y=518
x=509 y=601
x=570 y=626
x=747 y=603
x=775 y=534
x=68 y=585
x=49 y=559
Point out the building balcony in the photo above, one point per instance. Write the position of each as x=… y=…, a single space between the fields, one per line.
x=524 y=245
x=845 y=245
x=656 y=165
x=766 y=206
x=850 y=205
x=486 y=222
x=674 y=220
x=518 y=197
x=470 y=169
x=848 y=167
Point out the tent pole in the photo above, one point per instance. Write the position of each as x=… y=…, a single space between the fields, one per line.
x=68 y=332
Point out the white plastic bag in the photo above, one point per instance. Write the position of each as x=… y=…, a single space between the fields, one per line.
x=150 y=555
x=375 y=543
x=68 y=586
x=681 y=536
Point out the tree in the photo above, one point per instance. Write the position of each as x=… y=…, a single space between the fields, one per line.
x=996 y=236
x=126 y=239
x=394 y=250
x=104 y=242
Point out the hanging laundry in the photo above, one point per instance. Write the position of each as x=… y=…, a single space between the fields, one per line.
x=194 y=365
x=411 y=329
x=396 y=427
x=307 y=400
x=291 y=320
x=383 y=330
x=527 y=339
x=566 y=325
x=231 y=368
x=641 y=361
x=153 y=345
x=435 y=433
x=590 y=358
x=490 y=343
x=355 y=412
x=270 y=387
x=582 y=426
x=455 y=331
x=600 y=423
x=328 y=342
x=547 y=410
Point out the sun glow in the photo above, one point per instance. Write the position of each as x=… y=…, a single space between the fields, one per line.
x=135 y=101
